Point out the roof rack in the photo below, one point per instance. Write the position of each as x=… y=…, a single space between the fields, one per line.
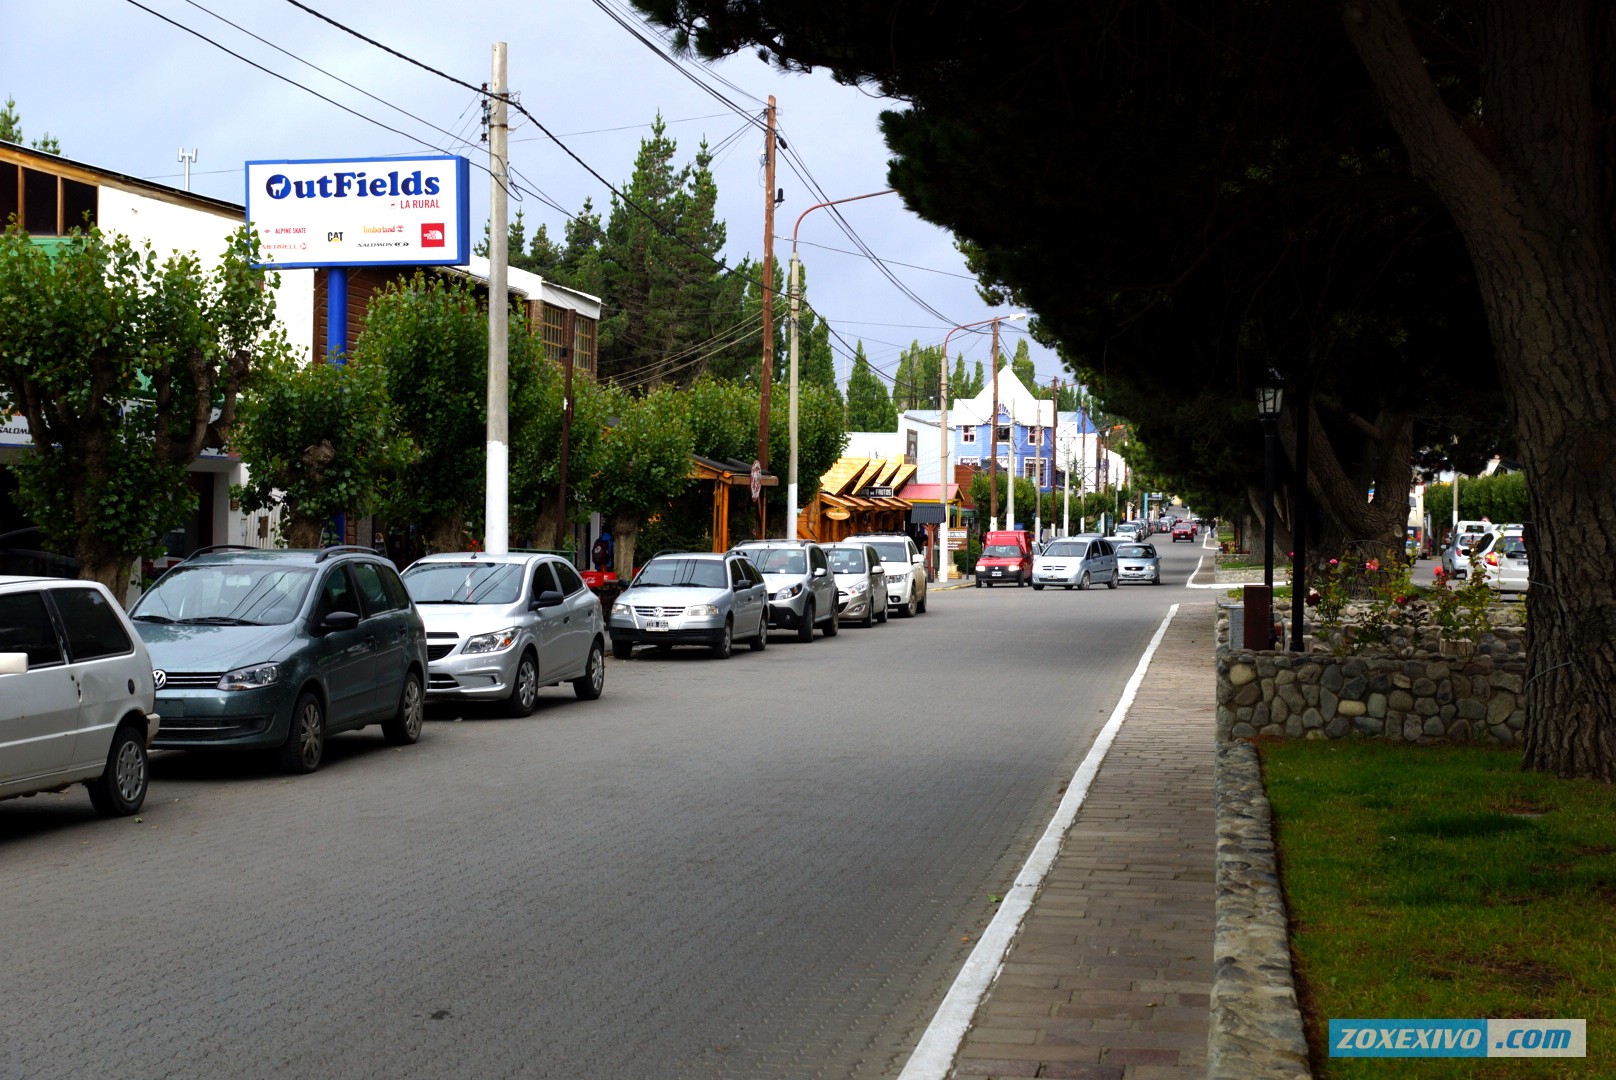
x=211 y=548
x=338 y=549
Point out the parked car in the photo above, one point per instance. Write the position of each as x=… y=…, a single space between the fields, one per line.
x=1184 y=530
x=704 y=598
x=498 y=627
x=1138 y=562
x=1006 y=556
x=1456 y=556
x=905 y=570
x=1136 y=531
x=77 y=694
x=1504 y=562
x=22 y=552
x=802 y=590
x=279 y=649
x=1076 y=562
x=861 y=582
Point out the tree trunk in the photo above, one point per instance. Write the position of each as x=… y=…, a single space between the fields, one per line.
x=625 y=528
x=1532 y=192
x=302 y=531
x=110 y=569
x=445 y=534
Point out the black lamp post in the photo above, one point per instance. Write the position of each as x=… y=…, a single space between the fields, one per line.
x=1269 y=396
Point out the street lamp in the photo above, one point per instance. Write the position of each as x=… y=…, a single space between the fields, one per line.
x=942 y=425
x=1269 y=397
x=791 y=292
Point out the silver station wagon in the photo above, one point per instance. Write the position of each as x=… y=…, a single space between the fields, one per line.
x=1076 y=562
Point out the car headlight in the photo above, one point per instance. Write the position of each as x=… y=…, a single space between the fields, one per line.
x=981 y=566
x=621 y=609
x=487 y=643
x=702 y=609
x=898 y=575
x=788 y=592
x=250 y=678
x=858 y=588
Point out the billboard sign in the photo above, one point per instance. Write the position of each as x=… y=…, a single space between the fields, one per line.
x=361 y=211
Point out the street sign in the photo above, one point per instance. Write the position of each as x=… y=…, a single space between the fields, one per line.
x=757 y=479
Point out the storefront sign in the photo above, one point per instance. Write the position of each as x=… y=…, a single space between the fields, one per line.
x=877 y=493
x=361 y=211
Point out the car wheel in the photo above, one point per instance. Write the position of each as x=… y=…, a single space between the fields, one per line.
x=978 y=583
x=908 y=608
x=1083 y=580
x=833 y=627
x=869 y=615
x=121 y=788
x=761 y=642
x=1068 y=588
x=1111 y=582
x=805 y=629
x=1037 y=587
x=589 y=685
x=404 y=726
x=920 y=609
x=726 y=640
x=881 y=616
x=305 y=743
x=1020 y=581
x=525 y=687
x=622 y=649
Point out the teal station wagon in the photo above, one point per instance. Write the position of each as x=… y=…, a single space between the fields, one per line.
x=277 y=649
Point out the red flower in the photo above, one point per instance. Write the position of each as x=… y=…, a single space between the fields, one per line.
x=1438 y=572
x=1335 y=562
x=1312 y=599
x=1372 y=564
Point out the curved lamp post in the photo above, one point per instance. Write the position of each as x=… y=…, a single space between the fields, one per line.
x=942 y=429
x=791 y=293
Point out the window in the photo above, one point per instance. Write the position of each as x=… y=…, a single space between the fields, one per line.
x=25 y=626
x=569 y=578
x=395 y=588
x=93 y=628
x=1035 y=436
x=1002 y=433
x=972 y=461
x=39 y=202
x=1036 y=470
x=544 y=580
x=737 y=575
x=336 y=594
x=968 y=435
x=371 y=588
x=816 y=557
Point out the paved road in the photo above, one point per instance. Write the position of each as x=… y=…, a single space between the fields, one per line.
x=767 y=867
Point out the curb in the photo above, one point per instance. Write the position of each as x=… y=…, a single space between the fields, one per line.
x=1255 y=1028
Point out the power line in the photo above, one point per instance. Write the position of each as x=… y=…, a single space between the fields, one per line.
x=891 y=262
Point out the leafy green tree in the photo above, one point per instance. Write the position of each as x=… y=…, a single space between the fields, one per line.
x=430 y=337
x=318 y=439
x=959 y=386
x=869 y=408
x=644 y=462
x=118 y=362
x=918 y=380
x=537 y=392
x=1022 y=367
x=11 y=131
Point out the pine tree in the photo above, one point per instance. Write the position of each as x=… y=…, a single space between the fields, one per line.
x=917 y=382
x=869 y=408
x=11 y=130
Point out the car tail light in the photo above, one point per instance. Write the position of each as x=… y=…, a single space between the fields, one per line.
x=1492 y=558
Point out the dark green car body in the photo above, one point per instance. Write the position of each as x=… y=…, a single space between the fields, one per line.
x=267 y=649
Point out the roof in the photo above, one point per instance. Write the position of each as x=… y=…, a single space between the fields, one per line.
x=928 y=492
x=87 y=173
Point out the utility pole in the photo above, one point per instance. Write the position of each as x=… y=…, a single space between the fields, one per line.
x=993 y=469
x=1082 y=460
x=496 y=488
x=189 y=159
x=567 y=331
x=769 y=201
x=942 y=462
x=1066 y=508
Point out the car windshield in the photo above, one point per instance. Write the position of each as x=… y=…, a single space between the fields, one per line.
x=1002 y=551
x=846 y=560
x=464 y=582
x=780 y=560
x=700 y=573
x=891 y=551
x=1513 y=546
x=229 y=594
x=1136 y=551
x=1066 y=551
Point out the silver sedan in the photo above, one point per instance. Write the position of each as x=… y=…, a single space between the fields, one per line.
x=1139 y=562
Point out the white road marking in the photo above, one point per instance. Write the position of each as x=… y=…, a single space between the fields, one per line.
x=934 y=1054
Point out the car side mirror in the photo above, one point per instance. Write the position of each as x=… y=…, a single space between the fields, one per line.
x=917 y=559
x=340 y=620
x=819 y=571
x=879 y=569
x=549 y=598
x=13 y=663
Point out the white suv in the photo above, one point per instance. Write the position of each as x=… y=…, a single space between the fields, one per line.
x=77 y=699
x=905 y=570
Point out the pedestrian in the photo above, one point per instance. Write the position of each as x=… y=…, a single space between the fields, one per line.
x=601 y=553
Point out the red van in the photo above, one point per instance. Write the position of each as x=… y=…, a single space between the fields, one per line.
x=1006 y=556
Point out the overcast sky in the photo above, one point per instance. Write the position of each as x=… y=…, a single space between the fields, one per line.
x=125 y=90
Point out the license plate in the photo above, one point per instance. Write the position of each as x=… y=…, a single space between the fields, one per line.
x=998 y=573
x=656 y=624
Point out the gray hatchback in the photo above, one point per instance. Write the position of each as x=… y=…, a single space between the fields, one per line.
x=277 y=649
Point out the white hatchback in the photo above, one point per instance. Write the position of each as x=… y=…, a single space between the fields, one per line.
x=77 y=699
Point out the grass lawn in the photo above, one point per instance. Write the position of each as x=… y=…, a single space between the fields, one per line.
x=1443 y=882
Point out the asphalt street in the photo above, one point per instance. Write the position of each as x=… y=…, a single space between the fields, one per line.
x=770 y=866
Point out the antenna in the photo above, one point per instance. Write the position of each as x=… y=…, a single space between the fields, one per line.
x=188 y=158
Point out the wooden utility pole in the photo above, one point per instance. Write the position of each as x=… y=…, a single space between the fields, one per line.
x=496 y=488
x=768 y=310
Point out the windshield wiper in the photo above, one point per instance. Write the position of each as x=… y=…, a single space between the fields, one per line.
x=152 y=618
x=446 y=601
x=219 y=620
